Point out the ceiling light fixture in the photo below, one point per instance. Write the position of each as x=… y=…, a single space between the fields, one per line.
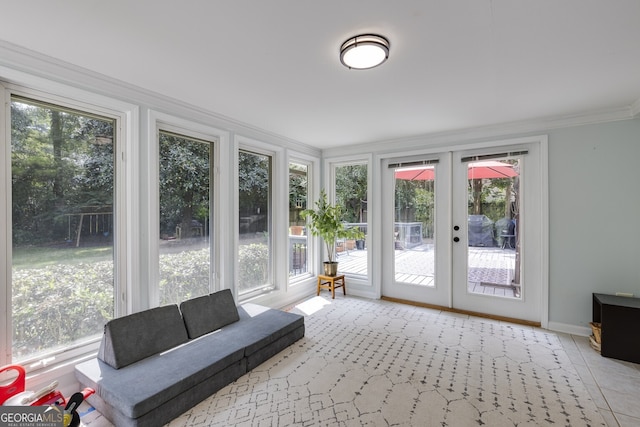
x=364 y=51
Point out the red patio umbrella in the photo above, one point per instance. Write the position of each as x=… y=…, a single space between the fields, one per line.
x=491 y=169
x=477 y=170
x=422 y=173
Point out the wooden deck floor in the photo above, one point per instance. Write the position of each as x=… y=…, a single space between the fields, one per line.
x=490 y=270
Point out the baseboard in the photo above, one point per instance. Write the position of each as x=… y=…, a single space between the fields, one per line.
x=569 y=329
x=465 y=312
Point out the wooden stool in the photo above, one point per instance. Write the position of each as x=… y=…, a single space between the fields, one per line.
x=329 y=282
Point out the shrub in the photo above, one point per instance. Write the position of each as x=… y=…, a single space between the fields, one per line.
x=254 y=266
x=57 y=305
x=184 y=275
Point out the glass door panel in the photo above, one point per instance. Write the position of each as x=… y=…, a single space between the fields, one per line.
x=493 y=189
x=414 y=213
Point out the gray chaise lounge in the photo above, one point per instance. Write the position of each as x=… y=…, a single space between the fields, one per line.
x=156 y=364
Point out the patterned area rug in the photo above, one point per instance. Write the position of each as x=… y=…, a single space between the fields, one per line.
x=376 y=363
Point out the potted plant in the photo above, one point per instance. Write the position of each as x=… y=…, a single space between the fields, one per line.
x=324 y=221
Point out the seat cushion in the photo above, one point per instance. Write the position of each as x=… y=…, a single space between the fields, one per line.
x=131 y=338
x=209 y=313
x=260 y=326
x=145 y=385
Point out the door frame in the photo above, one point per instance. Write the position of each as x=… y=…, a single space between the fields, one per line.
x=540 y=184
x=439 y=295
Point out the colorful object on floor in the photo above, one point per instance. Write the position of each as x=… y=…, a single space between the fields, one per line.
x=17 y=386
x=14 y=394
x=45 y=396
x=71 y=417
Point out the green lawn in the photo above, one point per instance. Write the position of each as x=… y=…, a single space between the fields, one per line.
x=38 y=257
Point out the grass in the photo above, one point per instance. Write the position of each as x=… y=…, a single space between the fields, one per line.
x=38 y=257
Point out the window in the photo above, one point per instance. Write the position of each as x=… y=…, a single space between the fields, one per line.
x=62 y=201
x=254 y=249
x=298 y=192
x=351 y=193
x=185 y=190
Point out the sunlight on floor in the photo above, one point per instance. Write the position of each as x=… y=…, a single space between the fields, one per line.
x=312 y=305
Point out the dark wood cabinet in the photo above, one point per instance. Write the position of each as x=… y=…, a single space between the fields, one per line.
x=619 y=318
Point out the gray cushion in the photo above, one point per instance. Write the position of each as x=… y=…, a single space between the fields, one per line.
x=208 y=313
x=134 y=337
x=172 y=408
x=257 y=357
x=158 y=388
x=261 y=326
x=154 y=381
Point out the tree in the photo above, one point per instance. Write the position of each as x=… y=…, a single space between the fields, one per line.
x=254 y=191
x=52 y=150
x=254 y=171
x=351 y=191
x=184 y=182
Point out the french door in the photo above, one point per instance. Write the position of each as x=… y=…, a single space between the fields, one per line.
x=464 y=230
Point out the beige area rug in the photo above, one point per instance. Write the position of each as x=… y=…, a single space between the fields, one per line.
x=376 y=363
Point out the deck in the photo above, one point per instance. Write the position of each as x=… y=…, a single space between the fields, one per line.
x=490 y=270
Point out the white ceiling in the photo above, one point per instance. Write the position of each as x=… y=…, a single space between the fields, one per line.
x=455 y=64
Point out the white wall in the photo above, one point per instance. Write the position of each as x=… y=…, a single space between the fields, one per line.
x=594 y=220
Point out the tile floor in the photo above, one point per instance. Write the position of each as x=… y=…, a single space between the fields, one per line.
x=614 y=384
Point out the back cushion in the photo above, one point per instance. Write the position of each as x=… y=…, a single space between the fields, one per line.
x=136 y=336
x=210 y=312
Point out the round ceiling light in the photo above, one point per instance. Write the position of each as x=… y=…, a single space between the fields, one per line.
x=364 y=51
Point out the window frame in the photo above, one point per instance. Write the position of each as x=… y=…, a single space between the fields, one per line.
x=211 y=146
x=125 y=117
x=310 y=256
x=330 y=166
x=164 y=122
x=276 y=222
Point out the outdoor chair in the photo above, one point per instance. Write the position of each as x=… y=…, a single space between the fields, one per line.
x=508 y=235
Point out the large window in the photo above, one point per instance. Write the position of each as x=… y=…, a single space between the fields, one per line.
x=185 y=187
x=254 y=252
x=62 y=228
x=351 y=193
x=298 y=243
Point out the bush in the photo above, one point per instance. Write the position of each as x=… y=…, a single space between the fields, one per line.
x=254 y=266
x=184 y=275
x=57 y=305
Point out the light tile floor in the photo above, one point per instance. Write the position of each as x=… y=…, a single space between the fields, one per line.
x=613 y=384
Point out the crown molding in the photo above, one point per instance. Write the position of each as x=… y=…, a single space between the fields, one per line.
x=18 y=61
x=469 y=135
x=22 y=66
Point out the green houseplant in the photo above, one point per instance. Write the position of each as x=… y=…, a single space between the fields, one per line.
x=324 y=221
